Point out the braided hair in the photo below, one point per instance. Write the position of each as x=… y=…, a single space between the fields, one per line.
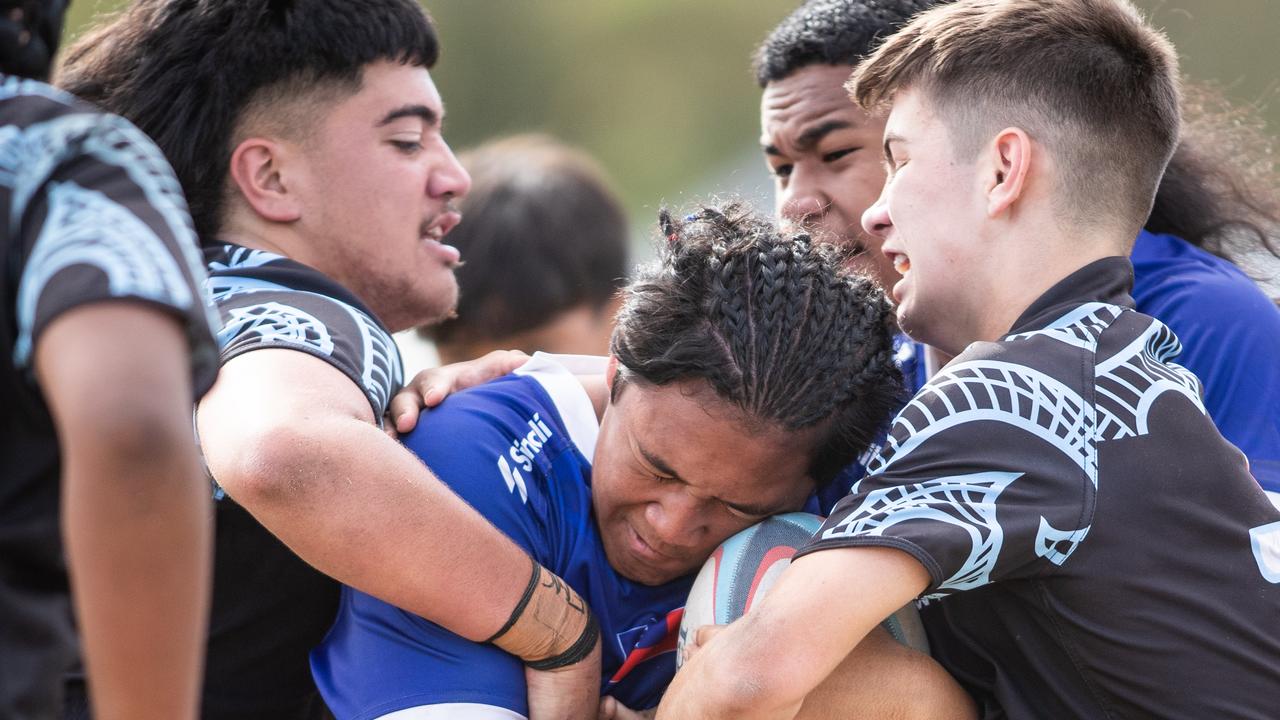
x=771 y=322
x=29 y=34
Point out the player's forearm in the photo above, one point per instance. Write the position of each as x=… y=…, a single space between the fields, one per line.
x=362 y=509
x=137 y=524
x=767 y=663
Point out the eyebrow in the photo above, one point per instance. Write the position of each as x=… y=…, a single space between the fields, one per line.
x=428 y=116
x=662 y=467
x=811 y=136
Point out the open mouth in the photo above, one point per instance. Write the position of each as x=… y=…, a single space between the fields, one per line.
x=437 y=227
x=901 y=263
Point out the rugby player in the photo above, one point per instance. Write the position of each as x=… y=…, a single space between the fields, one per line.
x=823 y=152
x=746 y=369
x=308 y=138
x=1088 y=543
x=105 y=342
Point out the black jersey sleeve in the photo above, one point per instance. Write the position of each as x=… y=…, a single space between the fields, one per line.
x=987 y=475
x=256 y=318
x=99 y=216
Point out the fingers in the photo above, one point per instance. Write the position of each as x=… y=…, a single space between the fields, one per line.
x=404 y=409
x=700 y=637
x=430 y=387
x=493 y=365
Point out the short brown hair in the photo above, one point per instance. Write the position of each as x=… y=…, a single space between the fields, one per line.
x=1089 y=79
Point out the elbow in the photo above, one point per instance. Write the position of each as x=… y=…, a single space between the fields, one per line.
x=263 y=464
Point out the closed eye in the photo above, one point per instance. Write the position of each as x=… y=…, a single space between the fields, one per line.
x=745 y=513
x=837 y=154
x=407 y=147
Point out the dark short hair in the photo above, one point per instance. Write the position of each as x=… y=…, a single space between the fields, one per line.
x=29 y=41
x=1089 y=79
x=772 y=323
x=186 y=71
x=541 y=233
x=829 y=32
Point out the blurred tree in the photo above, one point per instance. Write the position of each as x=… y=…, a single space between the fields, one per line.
x=660 y=90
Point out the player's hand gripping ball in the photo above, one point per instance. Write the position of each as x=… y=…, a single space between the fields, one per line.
x=743 y=569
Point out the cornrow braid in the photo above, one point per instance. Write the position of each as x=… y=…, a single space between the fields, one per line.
x=771 y=322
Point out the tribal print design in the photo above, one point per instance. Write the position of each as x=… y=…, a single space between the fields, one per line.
x=1038 y=404
x=259 y=312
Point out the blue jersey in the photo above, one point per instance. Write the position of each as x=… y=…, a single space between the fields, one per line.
x=1230 y=333
x=518 y=450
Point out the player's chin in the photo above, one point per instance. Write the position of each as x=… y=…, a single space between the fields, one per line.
x=437 y=299
x=648 y=572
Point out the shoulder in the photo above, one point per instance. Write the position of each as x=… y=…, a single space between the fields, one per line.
x=528 y=420
x=98 y=215
x=1176 y=282
x=510 y=449
x=1003 y=400
x=258 y=314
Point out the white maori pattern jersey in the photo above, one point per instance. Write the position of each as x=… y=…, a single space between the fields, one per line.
x=270 y=301
x=1040 y=478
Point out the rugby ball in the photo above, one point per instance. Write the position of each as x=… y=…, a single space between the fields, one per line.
x=740 y=572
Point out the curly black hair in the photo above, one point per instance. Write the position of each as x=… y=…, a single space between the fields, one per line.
x=830 y=32
x=773 y=324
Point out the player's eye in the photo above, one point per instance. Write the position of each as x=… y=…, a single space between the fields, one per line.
x=837 y=154
x=407 y=147
x=781 y=171
x=740 y=514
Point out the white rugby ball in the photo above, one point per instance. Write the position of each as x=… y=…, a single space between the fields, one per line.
x=740 y=572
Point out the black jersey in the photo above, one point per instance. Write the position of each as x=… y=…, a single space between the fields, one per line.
x=1095 y=548
x=91 y=212
x=270 y=608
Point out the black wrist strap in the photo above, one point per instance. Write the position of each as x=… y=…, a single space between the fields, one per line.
x=534 y=576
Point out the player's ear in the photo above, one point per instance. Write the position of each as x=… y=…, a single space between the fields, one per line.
x=258 y=170
x=1006 y=165
x=611 y=372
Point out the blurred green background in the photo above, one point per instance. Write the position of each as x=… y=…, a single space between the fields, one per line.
x=660 y=91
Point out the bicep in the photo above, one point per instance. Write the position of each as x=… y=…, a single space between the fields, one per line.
x=263 y=406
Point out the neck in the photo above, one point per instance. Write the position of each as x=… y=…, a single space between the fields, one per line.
x=253 y=233
x=1036 y=262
